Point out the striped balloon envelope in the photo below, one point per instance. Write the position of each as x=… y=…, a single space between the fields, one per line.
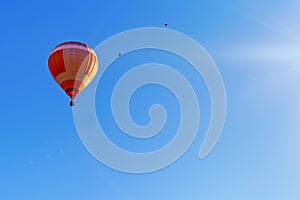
x=73 y=65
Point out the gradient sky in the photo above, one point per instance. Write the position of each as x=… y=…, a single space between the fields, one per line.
x=255 y=44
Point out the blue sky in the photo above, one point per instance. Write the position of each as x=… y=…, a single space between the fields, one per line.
x=255 y=44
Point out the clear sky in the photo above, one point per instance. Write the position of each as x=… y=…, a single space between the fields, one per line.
x=256 y=46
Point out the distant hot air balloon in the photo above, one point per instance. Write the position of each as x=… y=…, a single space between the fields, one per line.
x=73 y=65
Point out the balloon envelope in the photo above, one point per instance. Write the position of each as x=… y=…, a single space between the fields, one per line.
x=73 y=65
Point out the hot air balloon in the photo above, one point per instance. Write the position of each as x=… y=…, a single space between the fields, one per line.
x=73 y=65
